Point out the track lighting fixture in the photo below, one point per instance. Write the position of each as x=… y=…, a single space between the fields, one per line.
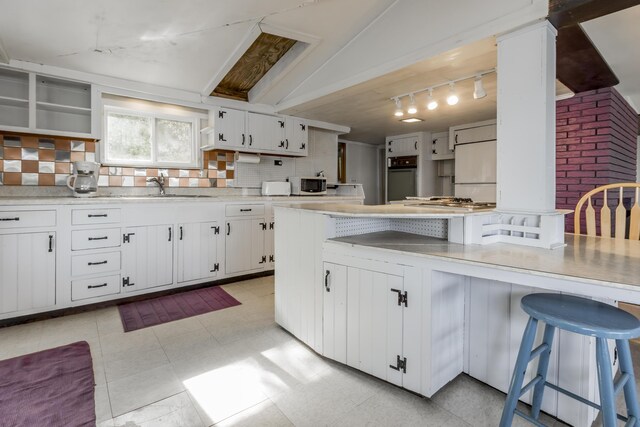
x=452 y=99
x=478 y=88
x=398 y=112
x=412 y=105
x=432 y=104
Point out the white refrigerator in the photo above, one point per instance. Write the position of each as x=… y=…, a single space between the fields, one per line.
x=475 y=171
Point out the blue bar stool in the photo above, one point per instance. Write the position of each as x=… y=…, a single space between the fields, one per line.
x=586 y=317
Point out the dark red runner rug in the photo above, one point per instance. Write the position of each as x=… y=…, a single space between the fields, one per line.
x=49 y=388
x=155 y=311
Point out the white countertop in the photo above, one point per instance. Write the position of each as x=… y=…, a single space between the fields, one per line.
x=36 y=200
x=384 y=211
x=595 y=260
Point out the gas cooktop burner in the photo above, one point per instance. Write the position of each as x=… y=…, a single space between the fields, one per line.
x=449 y=202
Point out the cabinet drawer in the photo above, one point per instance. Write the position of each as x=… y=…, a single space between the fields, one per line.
x=95 y=263
x=244 y=210
x=21 y=219
x=91 y=288
x=94 y=239
x=95 y=216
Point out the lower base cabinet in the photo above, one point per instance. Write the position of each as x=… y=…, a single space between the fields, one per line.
x=147 y=257
x=27 y=271
x=371 y=321
x=198 y=251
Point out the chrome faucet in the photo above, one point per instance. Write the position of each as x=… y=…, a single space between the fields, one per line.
x=160 y=182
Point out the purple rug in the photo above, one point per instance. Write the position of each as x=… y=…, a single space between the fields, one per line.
x=49 y=388
x=142 y=314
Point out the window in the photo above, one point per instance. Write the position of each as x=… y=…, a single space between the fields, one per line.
x=144 y=138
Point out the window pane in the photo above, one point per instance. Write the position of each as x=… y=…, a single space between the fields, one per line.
x=174 y=139
x=128 y=137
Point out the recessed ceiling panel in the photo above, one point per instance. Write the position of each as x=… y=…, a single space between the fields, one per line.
x=263 y=54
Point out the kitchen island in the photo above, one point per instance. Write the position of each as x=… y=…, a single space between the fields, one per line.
x=395 y=297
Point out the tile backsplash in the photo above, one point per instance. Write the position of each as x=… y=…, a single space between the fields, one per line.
x=47 y=161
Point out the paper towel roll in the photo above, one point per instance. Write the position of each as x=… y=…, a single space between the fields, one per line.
x=247 y=158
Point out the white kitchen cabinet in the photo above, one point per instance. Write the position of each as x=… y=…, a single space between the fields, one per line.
x=147 y=257
x=296 y=136
x=403 y=146
x=228 y=129
x=472 y=132
x=334 y=314
x=440 y=149
x=244 y=245
x=40 y=104
x=198 y=251
x=262 y=132
x=27 y=271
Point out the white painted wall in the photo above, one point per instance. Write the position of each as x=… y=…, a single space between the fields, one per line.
x=410 y=31
x=362 y=168
x=323 y=155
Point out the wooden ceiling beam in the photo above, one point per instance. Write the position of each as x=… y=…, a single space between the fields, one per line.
x=564 y=13
x=579 y=65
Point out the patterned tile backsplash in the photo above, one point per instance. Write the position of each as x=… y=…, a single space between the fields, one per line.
x=46 y=161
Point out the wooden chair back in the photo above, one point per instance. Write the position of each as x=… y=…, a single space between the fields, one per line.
x=606 y=215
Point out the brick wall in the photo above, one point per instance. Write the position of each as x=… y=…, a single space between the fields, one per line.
x=595 y=145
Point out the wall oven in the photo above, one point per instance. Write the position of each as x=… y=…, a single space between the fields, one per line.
x=402 y=177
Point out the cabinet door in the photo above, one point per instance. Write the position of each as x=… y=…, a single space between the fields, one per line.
x=297 y=141
x=440 y=149
x=259 y=258
x=403 y=147
x=334 y=318
x=197 y=251
x=147 y=257
x=374 y=323
x=229 y=129
x=262 y=131
x=238 y=245
x=27 y=271
x=475 y=134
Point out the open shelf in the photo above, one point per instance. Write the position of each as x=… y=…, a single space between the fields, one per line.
x=14 y=84
x=14 y=102
x=63 y=108
x=62 y=92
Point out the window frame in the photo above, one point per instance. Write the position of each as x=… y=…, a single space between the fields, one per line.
x=194 y=119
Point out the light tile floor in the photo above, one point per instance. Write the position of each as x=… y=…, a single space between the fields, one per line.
x=236 y=367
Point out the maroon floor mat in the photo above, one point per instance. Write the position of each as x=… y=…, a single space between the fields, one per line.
x=49 y=388
x=142 y=314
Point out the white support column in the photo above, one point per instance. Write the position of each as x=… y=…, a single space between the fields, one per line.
x=527 y=119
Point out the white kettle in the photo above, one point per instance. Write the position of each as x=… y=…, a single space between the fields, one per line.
x=84 y=180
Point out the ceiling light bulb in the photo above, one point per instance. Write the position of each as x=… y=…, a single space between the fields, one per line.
x=399 y=112
x=452 y=99
x=432 y=104
x=412 y=105
x=478 y=88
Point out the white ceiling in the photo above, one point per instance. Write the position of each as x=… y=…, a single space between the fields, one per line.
x=176 y=44
x=616 y=36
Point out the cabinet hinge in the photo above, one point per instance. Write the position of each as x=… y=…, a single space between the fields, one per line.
x=216 y=267
x=272 y=225
x=402 y=297
x=216 y=229
x=303 y=126
x=271 y=258
x=221 y=137
x=281 y=123
x=126 y=238
x=263 y=259
x=221 y=114
x=302 y=147
x=401 y=365
x=126 y=282
x=263 y=225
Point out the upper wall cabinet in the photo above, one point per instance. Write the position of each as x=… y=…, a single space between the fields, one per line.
x=35 y=103
x=256 y=133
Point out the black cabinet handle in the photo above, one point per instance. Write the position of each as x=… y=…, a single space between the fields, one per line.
x=97 y=263
x=287 y=144
x=250 y=140
x=50 y=243
x=10 y=219
x=326 y=280
x=169 y=233
x=245 y=210
x=97 y=215
x=243 y=138
x=456 y=138
x=181 y=233
x=228 y=229
x=98 y=238
x=96 y=286
x=416 y=145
